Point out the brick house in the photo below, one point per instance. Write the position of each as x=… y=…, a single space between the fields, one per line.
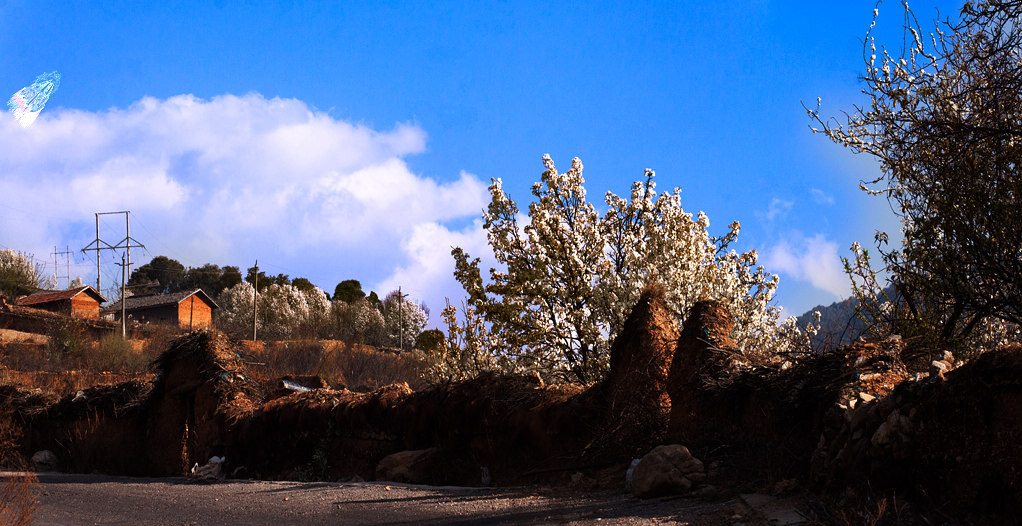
x=79 y=302
x=190 y=309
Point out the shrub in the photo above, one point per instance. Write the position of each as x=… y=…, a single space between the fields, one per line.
x=430 y=340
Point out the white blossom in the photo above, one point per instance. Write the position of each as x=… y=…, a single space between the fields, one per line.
x=571 y=275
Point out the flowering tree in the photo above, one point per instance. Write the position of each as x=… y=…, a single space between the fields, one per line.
x=943 y=120
x=285 y=312
x=571 y=276
x=356 y=321
x=403 y=320
x=19 y=276
x=465 y=351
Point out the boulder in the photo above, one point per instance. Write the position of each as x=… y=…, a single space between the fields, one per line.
x=413 y=466
x=44 y=460
x=667 y=470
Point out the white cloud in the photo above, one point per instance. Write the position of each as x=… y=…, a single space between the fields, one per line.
x=235 y=178
x=428 y=276
x=821 y=197
x=778 y=208
x=813 y=259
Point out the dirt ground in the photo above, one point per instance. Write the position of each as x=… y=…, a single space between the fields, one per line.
x=70 y=500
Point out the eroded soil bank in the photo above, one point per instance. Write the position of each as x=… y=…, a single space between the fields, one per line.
x=857 y=425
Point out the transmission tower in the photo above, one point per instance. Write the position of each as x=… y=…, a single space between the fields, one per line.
x=126 y=244
x=56 y=265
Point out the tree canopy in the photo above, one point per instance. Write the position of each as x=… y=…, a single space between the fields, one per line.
x=19 y=275
x=944 y=120
x=163 y=275
x=570 y=275
x=349 y=291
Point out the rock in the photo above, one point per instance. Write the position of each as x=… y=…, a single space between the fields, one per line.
x=413 y=466
x=667 y=470
x=45 y=460
x=211 y=471
x=896 y=425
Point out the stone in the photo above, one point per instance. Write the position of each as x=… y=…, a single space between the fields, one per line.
x=412 y=466
x=894 y=426
x=667 y=470
x=44 y=460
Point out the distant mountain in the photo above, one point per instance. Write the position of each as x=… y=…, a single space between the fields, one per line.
x=838 y=323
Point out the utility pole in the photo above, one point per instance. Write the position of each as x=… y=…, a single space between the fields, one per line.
x=124 y=310
x=255 y=295
x=401 y=318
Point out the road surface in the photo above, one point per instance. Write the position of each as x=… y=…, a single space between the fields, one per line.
x=70 y=500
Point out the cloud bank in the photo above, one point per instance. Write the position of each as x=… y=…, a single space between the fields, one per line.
x=235 y=178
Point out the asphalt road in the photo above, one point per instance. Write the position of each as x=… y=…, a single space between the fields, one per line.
x=69 y=500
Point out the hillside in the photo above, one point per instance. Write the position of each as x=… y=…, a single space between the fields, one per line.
x=838 y=323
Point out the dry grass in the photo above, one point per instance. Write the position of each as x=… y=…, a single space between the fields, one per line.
x=65 y=367
x=18 y=502
x=357 y=367
x=66 y=382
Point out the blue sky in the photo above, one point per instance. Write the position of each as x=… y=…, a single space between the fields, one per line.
x=356 y=140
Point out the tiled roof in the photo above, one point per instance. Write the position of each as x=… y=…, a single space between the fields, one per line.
x=159 y=300
x=60 y=295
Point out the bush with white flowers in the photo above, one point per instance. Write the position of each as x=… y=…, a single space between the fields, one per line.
x=570 y=275
x=285 y=312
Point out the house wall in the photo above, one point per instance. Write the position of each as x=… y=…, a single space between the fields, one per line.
x=84 y=306
x=165 y=314
x=58 y=307
x=193 y=313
